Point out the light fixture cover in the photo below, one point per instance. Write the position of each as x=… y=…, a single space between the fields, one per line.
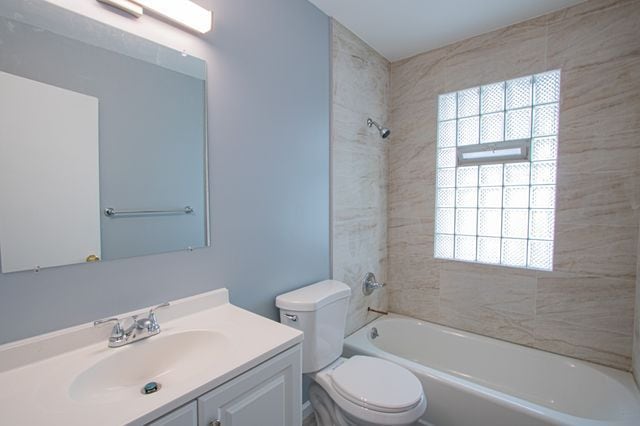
x=183 y=12
x=125 y=5
x=488 y=153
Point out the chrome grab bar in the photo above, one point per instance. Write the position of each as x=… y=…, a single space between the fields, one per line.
x=111 y=212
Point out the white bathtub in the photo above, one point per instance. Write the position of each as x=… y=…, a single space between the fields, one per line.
x=471 y=380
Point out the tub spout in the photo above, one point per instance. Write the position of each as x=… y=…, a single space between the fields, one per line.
x=374 y=333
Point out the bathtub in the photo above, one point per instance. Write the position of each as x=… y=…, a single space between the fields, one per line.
x=478 y=381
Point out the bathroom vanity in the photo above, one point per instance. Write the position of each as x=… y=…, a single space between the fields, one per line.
x=212 y=364
x=262 y=395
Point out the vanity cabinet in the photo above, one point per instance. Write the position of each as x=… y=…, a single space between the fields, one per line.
x=266 y=395
x=184 y=416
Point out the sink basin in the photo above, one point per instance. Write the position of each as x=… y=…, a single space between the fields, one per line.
x=165 y=359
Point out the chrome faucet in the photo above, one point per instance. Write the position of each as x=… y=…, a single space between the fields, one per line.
x=138 y=330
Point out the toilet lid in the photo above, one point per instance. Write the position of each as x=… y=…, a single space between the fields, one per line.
x=377 y=384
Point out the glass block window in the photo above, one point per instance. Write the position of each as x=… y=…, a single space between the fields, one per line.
x=498 y=213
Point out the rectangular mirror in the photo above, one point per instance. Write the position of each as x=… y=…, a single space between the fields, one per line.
x=103 y=142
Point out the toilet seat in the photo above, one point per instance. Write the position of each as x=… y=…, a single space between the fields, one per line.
x=377 y=384
x=373 y=390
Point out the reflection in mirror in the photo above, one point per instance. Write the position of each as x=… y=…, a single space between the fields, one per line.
x=102 y=143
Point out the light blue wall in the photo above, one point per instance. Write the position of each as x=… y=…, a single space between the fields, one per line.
x=268 y=77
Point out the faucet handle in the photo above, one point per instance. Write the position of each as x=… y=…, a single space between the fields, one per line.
x=116 y=332
x=163 y=305
x=105 y=321
x=370 y=284
x=153 y=325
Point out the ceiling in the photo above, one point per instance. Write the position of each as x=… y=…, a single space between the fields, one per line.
x=398 y=29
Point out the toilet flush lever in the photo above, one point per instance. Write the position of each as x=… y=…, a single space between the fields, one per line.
x=292 y=317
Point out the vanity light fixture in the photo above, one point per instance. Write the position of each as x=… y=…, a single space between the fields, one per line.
x=126 y=6
x=488 y=153
x=182 y=12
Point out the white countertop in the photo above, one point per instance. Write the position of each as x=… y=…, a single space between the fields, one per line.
x=36 y=374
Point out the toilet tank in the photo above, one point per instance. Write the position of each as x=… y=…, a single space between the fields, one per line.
x=320 y=311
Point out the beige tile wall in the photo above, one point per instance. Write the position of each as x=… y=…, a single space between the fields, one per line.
x=359 y=170
x=636 y=336
x=585 y=307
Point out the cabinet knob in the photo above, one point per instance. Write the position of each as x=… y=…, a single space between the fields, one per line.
x=92 y=258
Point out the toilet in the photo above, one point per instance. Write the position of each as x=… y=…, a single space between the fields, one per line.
x=361 y=390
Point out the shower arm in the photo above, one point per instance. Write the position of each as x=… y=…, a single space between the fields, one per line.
x=372 y=123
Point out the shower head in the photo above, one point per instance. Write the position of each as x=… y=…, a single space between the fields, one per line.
x=384 y=132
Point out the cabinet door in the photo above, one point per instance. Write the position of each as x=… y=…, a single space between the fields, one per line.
x=184 y=416
x=268 y=395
